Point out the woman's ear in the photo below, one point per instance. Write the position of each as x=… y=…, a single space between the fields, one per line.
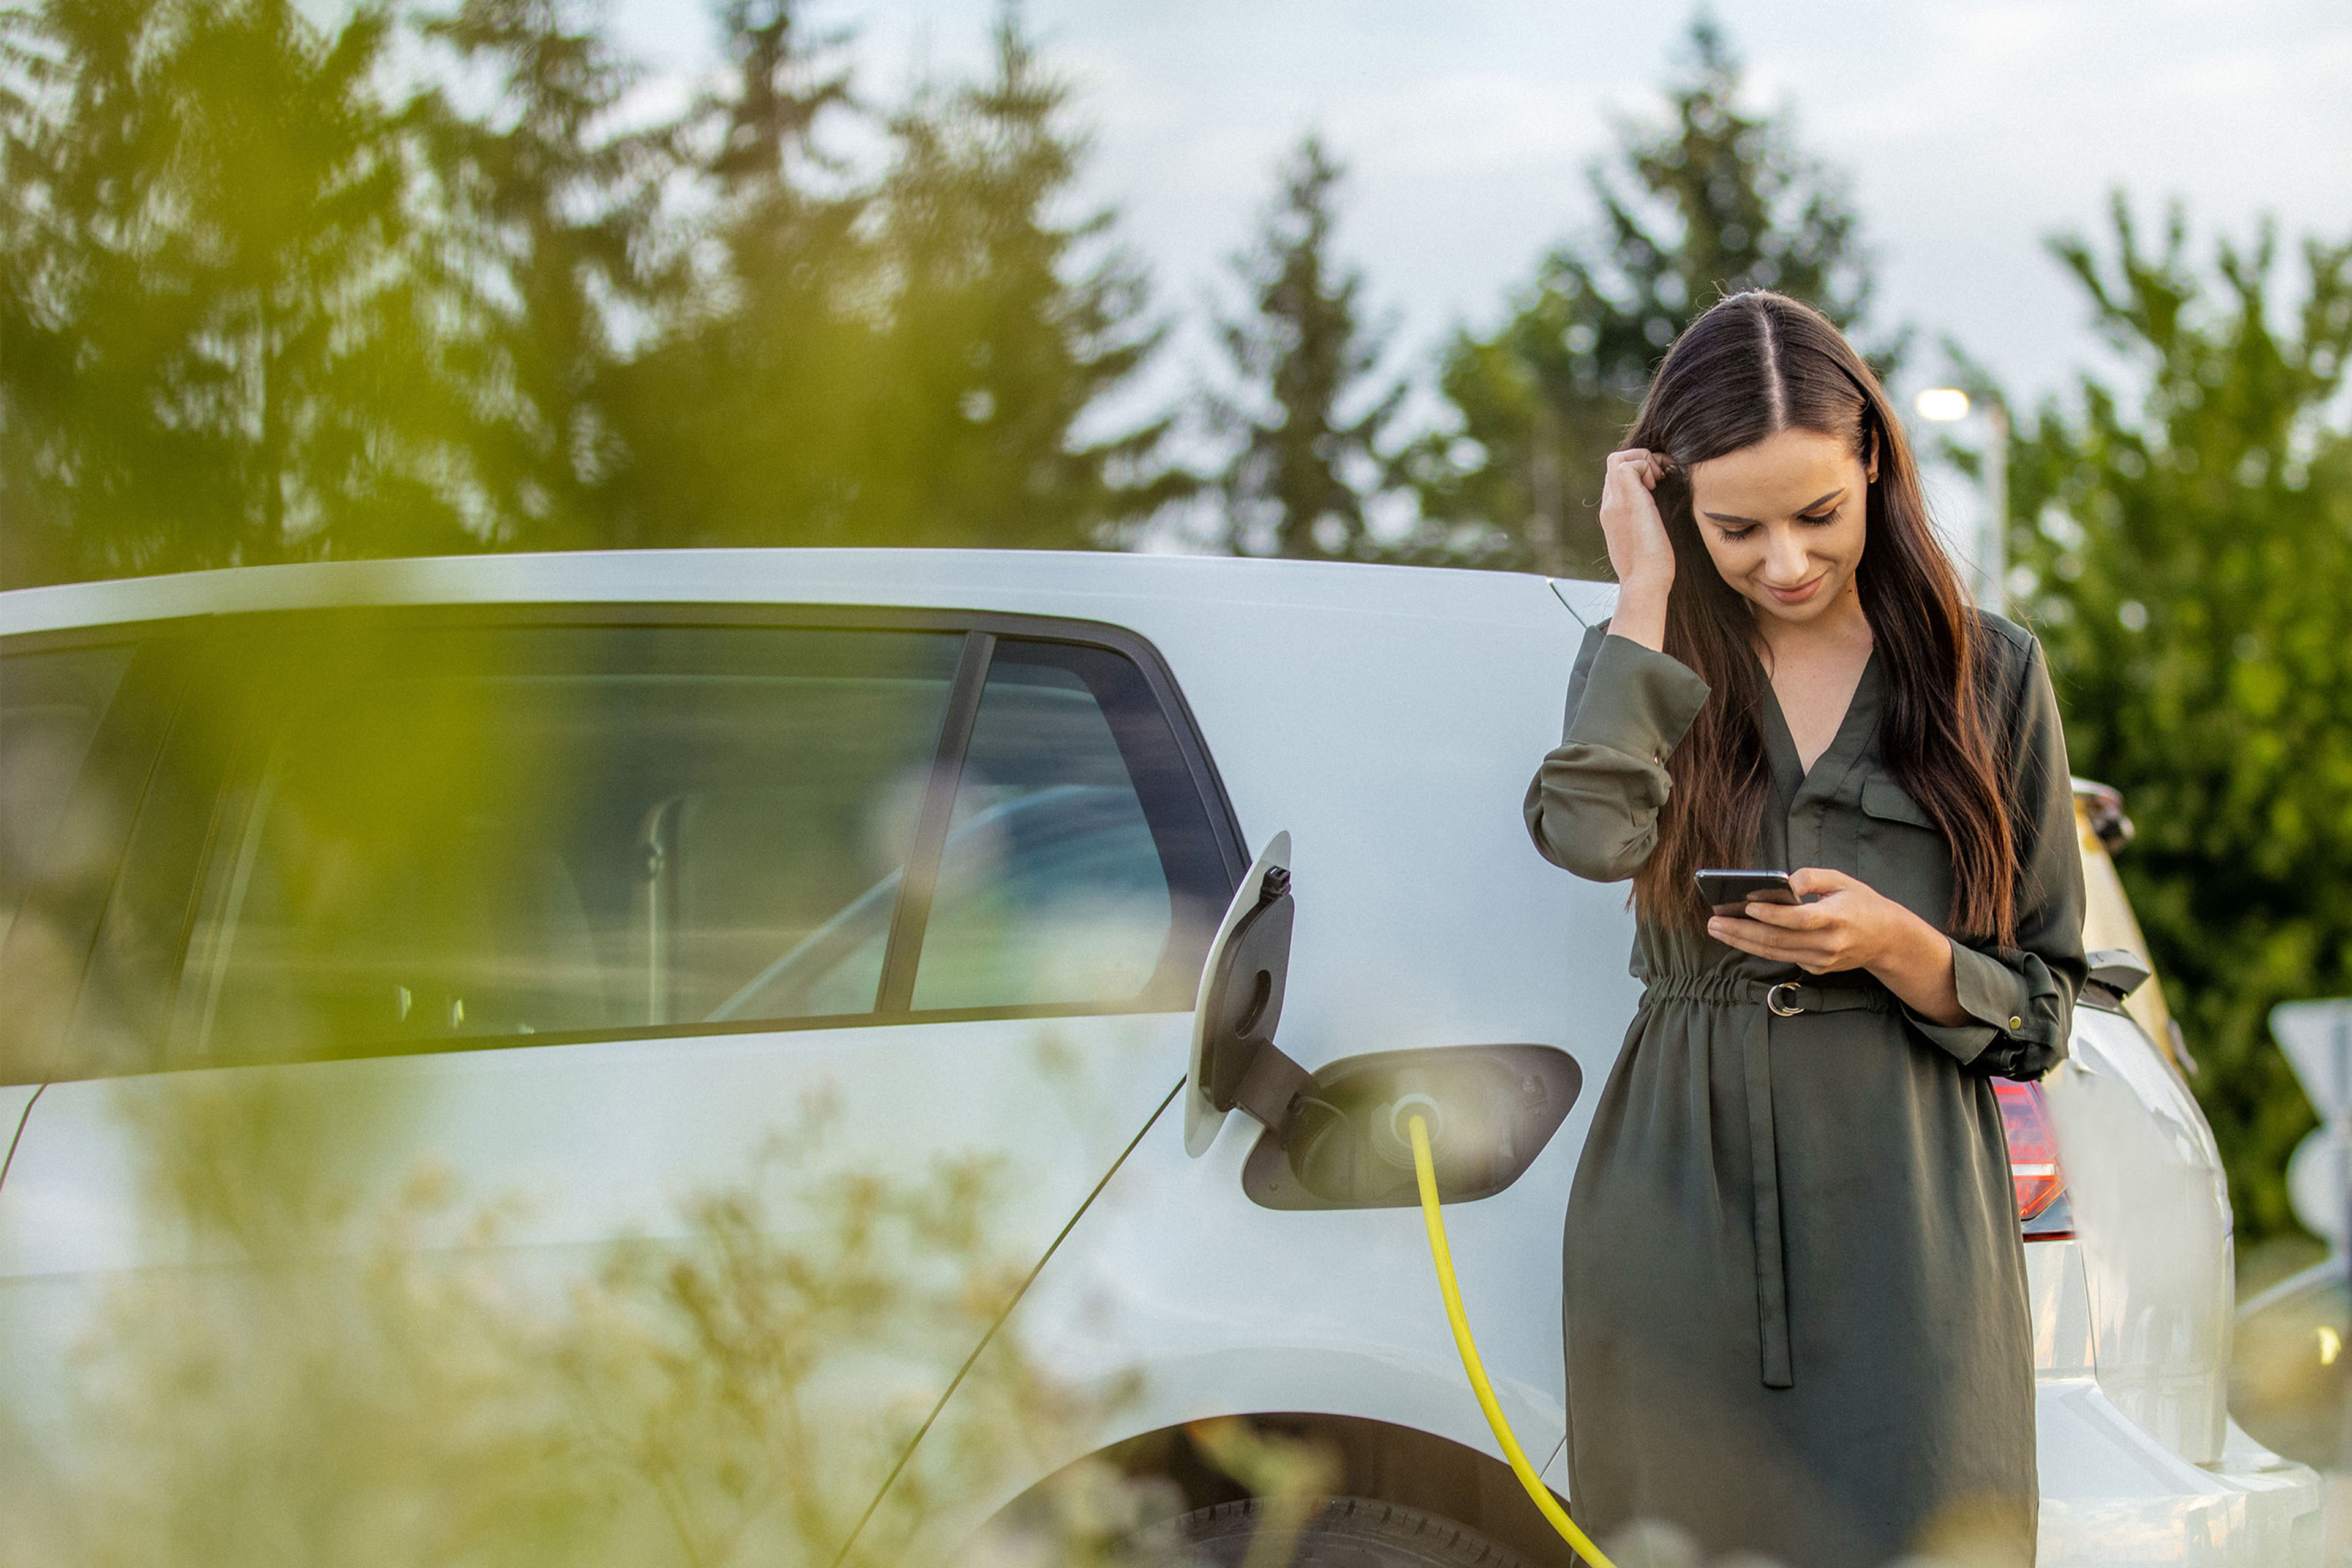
x=1870 y=461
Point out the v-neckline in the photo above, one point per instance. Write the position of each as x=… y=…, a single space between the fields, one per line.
x=1860 y=708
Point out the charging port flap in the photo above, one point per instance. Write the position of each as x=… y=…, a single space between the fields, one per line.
x=1239 y=1004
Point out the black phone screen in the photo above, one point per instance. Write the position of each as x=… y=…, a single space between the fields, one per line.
x=1727 y=892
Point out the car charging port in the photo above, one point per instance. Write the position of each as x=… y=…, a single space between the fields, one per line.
x=1393 y=1144
x=1489 y=1111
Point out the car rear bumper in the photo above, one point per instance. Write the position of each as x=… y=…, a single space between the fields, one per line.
x=2113 y=1497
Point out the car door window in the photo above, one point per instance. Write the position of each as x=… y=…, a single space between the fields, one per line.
x=541 y=831
x=50 y=704
x=1080 y=872
x=1078 y=868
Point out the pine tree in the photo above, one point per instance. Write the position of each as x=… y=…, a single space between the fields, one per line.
x=2185 y=553
x=547 y=210
x=781 y=91
x=1005 y=328
x=1717 y=200
x=736 y=423
x=1307 y=456
x=220 y=320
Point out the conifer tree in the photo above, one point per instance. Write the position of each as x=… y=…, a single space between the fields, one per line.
x=782 y=85
x=1306 y=432
x=736 y=421
x=548 y=209
x=1716 y=200
x=220 y=321
x=1007 y=326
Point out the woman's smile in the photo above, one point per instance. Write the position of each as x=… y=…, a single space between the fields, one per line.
x=1802 y=591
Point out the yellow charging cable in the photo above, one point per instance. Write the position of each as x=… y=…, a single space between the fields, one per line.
x=1424 y=1170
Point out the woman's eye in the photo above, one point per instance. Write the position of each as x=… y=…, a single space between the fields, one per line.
x=1733 y=535
x=1817 y=518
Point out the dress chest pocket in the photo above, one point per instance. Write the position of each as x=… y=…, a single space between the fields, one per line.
x=1904 y=854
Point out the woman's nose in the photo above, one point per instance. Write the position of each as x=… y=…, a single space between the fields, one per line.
x=1785 y=562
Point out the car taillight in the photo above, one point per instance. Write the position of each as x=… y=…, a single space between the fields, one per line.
x=2040 y=1180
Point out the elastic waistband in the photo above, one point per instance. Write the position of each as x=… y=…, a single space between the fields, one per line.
x=1786 y=998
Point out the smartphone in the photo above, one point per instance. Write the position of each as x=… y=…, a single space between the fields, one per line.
x=1729 y=892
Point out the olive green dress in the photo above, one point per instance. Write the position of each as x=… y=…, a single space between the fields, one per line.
x=1794 y=1298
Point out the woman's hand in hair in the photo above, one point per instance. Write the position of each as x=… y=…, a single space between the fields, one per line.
x=1638 y=547
x=1849 y=925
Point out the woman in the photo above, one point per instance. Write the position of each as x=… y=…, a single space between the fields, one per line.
x=1795 y=1293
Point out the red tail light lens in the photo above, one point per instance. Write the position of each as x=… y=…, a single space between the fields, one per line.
x=2034 y=1167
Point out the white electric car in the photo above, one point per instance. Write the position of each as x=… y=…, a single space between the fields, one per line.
x=606 y=866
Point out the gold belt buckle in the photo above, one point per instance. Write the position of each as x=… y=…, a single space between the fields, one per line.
x=1772 y=1000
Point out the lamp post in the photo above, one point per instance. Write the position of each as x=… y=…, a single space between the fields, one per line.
x=1943 y=405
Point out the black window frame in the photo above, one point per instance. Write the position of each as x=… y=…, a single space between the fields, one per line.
x=157 y=968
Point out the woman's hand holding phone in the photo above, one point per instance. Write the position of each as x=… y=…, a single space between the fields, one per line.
x=1639 y=551
x=1849 y=925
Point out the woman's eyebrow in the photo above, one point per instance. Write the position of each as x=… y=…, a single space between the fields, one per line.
x=1814 y=505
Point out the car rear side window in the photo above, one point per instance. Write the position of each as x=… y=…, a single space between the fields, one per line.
x=50 y=704
x=1078 y=865
x=563 y=830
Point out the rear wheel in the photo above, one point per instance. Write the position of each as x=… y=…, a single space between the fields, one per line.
x=1341 y=1533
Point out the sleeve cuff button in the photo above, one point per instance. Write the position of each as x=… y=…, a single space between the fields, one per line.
x=2017 y=1023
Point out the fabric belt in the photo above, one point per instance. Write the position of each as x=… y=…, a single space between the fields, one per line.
x=1761 y=1002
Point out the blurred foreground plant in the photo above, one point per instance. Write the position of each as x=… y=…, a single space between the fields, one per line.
x=329 y=1387
x=1290 y=1474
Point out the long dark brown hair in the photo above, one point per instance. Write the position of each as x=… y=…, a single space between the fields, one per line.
x=1755 y=364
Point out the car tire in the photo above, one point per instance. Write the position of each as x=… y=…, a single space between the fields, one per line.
x=1342 y=1533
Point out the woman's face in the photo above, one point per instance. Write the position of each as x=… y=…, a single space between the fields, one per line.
x=1784 y=521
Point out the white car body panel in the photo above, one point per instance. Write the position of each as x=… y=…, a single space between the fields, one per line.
x=2154 y=1214
x=1389 y=718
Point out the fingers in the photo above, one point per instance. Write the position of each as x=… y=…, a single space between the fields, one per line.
x=1644 y=465
x=1765 y=941
x=1819 y=879
x=1813 y=951
x=1793 y=917
x=1625 y=466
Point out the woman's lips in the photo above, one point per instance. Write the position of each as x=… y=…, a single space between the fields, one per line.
x=1798 y=594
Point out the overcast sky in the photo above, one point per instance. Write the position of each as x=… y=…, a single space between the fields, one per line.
x=1971 y=130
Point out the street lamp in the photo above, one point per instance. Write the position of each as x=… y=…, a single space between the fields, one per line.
x=1943 y=405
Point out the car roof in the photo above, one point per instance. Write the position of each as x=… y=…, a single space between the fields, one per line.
x=947 y=579
x=1047 y=581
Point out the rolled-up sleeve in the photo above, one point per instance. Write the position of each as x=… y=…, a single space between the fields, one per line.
x=2020 y=999
x=1593 y=806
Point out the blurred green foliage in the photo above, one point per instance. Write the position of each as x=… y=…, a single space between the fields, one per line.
x=904 y=363
x=259 y=302
x=392 y=1380
x=2184 y=551
x=219 y=310
x=1715 y=200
